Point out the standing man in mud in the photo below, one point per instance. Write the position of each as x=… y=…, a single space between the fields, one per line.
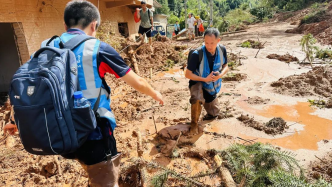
x=98 y=155
x=206 y=66
x=146 y=25
x=191 y=21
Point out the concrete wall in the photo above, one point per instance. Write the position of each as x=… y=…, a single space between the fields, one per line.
x=42 y=19
x=160 y=18
x=8 y=56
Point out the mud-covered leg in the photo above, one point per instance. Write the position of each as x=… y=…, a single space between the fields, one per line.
x=196 y=100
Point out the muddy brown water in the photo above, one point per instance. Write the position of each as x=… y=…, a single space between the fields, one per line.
x=315 y=128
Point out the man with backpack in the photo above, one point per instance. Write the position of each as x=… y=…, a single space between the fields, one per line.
x=52 y=76
x=206 y=66
x=146 y=25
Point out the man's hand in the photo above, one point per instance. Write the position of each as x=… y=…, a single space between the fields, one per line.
x=10 y=128
x=158 y=97
x=210 y=77
x=152 y=28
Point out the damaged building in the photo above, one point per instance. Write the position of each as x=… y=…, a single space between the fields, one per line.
x=25 y=24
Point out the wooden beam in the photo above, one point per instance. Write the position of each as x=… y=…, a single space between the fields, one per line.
x=119 y=3
x=112 y=4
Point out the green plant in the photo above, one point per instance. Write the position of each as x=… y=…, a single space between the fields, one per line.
x=315 y=6
x=323 y=53
x=246 y=44
x=281 y=178
x=318 y=103
x=257 y=161
x=307 y=44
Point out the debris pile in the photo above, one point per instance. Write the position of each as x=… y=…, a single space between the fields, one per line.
x=321 y=169
x=285 y=58
x=235 y=77
x=257 y=100
x=274 y=126
x=317 y=82
x=316 y=22
x=252 y=44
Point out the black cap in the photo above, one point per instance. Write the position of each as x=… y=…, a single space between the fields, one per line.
x=143 y=2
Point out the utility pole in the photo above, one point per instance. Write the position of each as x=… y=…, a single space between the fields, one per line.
x=211 y=13
x=186 y=14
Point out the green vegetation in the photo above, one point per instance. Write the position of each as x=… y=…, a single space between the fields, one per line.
x=230 y=15
x=246 y=44
x=313 y=17
x=324 y=53
x=318 y=103
x=257 y=162
x=307 y=44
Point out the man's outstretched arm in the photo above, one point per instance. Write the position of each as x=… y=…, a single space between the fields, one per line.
x=141 y=85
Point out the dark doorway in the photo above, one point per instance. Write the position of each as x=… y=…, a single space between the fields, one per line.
x=9 y=57
x=123 y=29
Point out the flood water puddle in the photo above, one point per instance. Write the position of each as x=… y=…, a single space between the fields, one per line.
x=172 y=73
x=315 y=128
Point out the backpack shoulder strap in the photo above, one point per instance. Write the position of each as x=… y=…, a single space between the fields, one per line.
x=76 y=41
x=200 y=54
x=222 y=48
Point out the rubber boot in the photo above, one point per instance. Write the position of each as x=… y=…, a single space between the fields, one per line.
x=196 y=110
x=104 y=174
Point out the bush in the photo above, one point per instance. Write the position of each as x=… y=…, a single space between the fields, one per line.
x=246 y=44
x=324 y=53
x=262 y=12
x=313 y=18
x=257 y=162
x=237 y=16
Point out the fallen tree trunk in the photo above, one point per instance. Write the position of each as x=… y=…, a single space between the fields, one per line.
x=224 y=174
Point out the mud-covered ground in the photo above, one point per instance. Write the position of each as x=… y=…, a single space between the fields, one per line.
x=296 y=126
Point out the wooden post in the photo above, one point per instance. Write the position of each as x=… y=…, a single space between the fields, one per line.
x=140 y=151
x=131 y=54
x=224 y=174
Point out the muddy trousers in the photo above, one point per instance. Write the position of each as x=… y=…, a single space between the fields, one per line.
x=105 y=173
x=199 y=96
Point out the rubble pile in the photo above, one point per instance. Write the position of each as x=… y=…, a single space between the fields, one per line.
x=316 y=82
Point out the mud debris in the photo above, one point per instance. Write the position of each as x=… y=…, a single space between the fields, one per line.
x=285 y=58
x=235 y=77
x=321 y=168
x=273 y=127
x=252 y=44
x=256 y=100
x=316 y=82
